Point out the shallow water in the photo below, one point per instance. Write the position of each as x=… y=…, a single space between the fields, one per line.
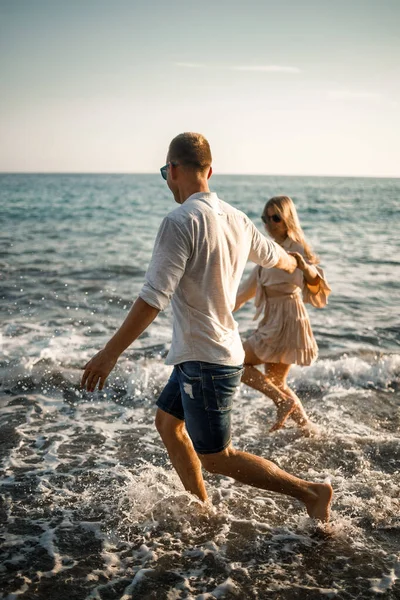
x=90 y=508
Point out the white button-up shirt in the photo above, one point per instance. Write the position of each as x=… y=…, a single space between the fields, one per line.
x=198 y=260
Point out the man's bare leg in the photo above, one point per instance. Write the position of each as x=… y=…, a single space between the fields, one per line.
x=261 y=473
x=181 y=452
x=284 y=403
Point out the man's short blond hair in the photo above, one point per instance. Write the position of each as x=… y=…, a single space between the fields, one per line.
x=191 y=150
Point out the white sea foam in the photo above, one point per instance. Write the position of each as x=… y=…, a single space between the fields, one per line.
x=376 y=371
x=386 y=582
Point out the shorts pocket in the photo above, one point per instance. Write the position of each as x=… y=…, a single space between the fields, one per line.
x=225 y=388
x=190 y=371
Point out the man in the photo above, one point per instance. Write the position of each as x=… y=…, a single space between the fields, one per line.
x=198 y=259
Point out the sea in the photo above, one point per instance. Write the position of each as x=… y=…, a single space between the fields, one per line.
x=90 y=507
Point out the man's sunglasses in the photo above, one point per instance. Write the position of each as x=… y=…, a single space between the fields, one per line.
x=164 y=169
x=274 y=218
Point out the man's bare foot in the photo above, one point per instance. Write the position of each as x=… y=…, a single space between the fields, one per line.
x=284 y=410
x=318 y=507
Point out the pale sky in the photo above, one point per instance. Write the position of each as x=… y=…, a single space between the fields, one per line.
x=278 y=87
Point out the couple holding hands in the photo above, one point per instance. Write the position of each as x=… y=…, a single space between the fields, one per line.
x=198 y=260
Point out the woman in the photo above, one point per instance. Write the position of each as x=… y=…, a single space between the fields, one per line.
x=284 y=336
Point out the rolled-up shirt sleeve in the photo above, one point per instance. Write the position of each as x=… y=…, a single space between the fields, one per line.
x=168 y=262
x=263 y=251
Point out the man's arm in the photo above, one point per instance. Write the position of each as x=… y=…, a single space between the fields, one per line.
x=167 y=265
x=269 y=254
x=285 y=262
x=100 y=366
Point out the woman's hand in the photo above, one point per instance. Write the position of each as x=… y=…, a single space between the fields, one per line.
x=310 y=273
x=97 y=370
x=301 y=263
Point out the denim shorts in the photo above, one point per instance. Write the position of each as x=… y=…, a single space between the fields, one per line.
x=201 y=394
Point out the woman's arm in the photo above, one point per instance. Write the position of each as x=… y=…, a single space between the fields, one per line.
x=247 y=290
x=309 y=271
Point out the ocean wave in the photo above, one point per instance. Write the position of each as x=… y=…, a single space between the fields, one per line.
x=363 y=371
x=64 y=356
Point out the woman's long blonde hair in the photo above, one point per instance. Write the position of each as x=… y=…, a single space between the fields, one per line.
x=285 y=208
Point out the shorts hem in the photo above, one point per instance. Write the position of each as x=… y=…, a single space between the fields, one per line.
x=170 y=412
x=214 y=451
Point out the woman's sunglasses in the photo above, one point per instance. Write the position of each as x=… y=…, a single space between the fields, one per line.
x=274 y=218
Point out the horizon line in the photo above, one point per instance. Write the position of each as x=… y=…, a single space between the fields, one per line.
x=214 y=174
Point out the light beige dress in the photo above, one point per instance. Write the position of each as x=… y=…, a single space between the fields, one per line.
x=284 y=334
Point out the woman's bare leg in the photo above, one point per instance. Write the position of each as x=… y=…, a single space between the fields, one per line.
x=252 y=377
x=277 y=373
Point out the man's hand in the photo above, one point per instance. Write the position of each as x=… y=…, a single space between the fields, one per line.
x=97 y=370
